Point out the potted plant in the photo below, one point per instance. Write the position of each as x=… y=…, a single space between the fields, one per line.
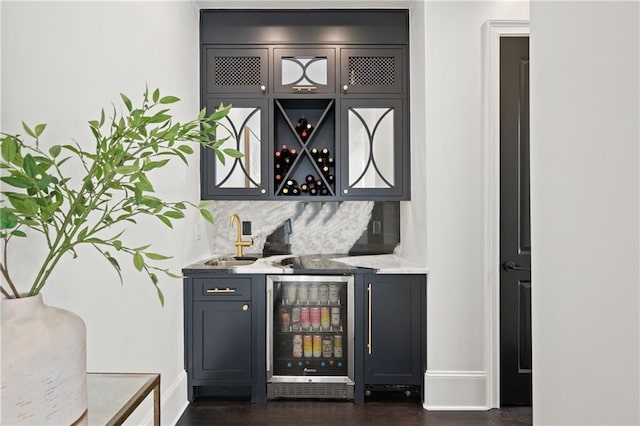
x=114 y=188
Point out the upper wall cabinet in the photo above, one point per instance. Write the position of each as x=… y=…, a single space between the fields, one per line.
x=372 y=71
x=320 y=103
x=304 y=70
x=236 y=71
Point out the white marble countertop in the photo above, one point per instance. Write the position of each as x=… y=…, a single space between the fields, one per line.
x=381 y=264
x=384 y=264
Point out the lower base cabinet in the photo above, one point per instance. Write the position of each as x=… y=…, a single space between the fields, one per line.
x=392 y=342
x=224 y=335
x=225 y=332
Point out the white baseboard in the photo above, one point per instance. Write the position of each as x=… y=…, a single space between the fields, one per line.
x=172 y=402
x=455 y=390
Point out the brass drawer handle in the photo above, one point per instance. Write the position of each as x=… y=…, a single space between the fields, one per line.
x=307 y=88
x=370 y=291
x=221 y=290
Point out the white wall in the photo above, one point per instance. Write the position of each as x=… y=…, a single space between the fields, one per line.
x=585 y=110
x=61 y=63
x=456 y=376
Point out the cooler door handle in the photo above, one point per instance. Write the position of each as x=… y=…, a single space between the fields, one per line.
x=269 y=324
x=370 y=291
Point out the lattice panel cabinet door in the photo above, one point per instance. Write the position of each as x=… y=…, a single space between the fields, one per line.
x=236 y=71
x=371 y=71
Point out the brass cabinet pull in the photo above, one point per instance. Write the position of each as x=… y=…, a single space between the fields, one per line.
x=221 y=290
x=307 y=88
x=345 y=88
x=245 y=307
x=370 y=290
x=263 y=88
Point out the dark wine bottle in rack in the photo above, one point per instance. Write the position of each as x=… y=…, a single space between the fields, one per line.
x=304 y=128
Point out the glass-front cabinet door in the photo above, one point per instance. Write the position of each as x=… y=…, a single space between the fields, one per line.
x=372 y=148
x=304 y=71
x=245 y=130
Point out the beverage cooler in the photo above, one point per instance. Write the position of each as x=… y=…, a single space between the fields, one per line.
x=310 y=336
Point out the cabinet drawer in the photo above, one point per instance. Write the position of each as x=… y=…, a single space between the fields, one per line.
x=222 y=289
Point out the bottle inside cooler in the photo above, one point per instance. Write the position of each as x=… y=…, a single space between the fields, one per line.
x=310 y=326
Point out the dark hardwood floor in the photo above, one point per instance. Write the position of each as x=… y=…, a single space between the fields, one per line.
x=320 y=412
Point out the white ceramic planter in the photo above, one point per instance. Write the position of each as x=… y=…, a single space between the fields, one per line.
x=44 y=380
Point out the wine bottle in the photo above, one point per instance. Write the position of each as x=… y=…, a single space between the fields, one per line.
x=310 y=179
x=330 y=161
x=313 y=191
x=324 y=191
x=315 y=153
x=325 y=170
x=331 y=178
x=284 y=152
x=324 y=152
x=295 y=191
x=278 y=178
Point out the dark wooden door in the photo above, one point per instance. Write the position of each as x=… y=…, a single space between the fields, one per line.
x=515 y=233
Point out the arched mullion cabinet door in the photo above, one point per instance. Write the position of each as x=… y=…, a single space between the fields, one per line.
x=245 y=128
x=304 y=71
x=373 y=150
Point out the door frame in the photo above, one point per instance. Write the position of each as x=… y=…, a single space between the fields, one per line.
x=492 y=31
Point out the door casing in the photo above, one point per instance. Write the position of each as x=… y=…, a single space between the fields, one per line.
x=493 y=30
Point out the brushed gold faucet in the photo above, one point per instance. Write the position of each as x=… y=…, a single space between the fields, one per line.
x=239 y=242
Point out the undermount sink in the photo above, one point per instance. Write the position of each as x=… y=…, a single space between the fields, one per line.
x=230 y=262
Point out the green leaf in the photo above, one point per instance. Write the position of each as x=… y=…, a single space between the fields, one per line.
x=157 y=256
x=220 y=156
x=154 y=165
x=169 y=100
x=159 y=118
x=174 y=214
x=28 y=130
x=126 y=170
x=207 y=215
x=115 y=265
x=9 y=149
x=126 y=101
x=220 y=113
x=233 y=153
x=17 y=181
x=156 y=95
x=55 y=150
x=165 y=221
x=8 y=220
x=117 y=244
x=29 y=166
x=40 y=128
x=18 y=233
x=160 y=295
x=186 y=149
x=138 y=261
x=171 y=274
x=83 y=233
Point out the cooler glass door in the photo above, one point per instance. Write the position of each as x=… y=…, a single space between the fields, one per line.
x=310 y=335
